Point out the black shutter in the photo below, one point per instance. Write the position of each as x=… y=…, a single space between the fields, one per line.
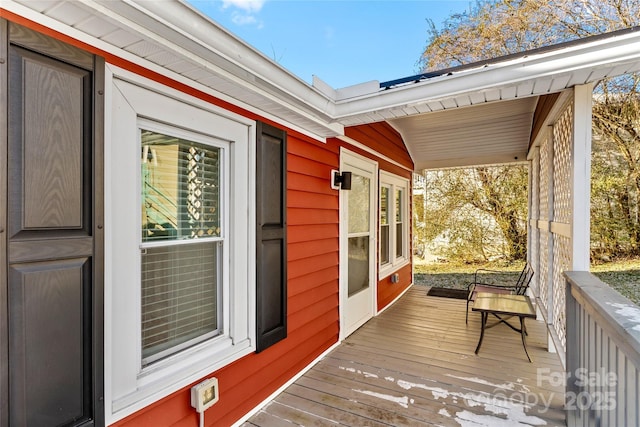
x=271 y=236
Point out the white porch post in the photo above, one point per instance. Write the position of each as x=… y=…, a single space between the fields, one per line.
x=581 y=178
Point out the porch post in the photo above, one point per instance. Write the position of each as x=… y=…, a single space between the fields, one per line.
x=580 y=233
x=581 y=178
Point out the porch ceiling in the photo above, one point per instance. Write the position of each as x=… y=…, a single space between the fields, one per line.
x=496 y=132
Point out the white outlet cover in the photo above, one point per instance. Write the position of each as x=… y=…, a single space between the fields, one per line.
x=205 y=394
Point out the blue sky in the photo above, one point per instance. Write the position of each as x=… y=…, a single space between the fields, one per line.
x=342 y=42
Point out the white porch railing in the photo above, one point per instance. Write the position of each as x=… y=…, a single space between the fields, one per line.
x=602 y=356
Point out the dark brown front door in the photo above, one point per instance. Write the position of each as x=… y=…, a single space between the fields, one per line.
x=52 y=234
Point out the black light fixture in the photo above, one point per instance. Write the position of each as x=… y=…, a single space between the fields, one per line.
x=340 y=181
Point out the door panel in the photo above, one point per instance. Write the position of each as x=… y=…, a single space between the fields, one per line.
x=53 y=285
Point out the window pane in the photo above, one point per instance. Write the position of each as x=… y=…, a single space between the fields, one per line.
x=399 y=197
x=359 y=204
x=399 y=217
x=180 y=293
x=399 y=240
x=180 y=188
x=358 y=264
x=384 y=244
x=384 y=205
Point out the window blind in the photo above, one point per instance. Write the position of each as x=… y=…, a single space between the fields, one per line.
x=180 y=294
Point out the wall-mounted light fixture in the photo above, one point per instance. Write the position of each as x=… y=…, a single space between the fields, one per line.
x=340 y=181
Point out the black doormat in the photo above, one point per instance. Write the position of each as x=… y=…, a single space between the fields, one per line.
x=448 y=293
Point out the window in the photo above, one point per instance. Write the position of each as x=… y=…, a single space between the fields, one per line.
x=399 y=223
x=394 y=235
x=182 y=241
x=180 y=280
x=384 y=225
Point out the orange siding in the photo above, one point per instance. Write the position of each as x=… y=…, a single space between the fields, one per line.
x=388 y=291
x=309 y=279
x=382 y=138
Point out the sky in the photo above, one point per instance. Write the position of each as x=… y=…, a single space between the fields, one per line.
x=341 y=42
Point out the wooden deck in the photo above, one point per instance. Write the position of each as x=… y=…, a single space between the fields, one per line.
x=414 y=365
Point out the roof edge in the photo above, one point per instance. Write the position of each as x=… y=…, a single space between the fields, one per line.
x=513 y=56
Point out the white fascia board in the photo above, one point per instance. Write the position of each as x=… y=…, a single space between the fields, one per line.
x=615 y=50
x=185 y=30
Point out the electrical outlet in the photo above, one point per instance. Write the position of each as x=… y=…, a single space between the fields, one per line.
x=205 y=394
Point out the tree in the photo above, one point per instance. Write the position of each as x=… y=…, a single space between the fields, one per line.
x=480 y=212
x=616 y=169
x=495 y=28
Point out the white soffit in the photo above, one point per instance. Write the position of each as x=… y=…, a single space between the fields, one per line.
x=496 y=132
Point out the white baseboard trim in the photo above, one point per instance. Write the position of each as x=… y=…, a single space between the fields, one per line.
x=283 y=387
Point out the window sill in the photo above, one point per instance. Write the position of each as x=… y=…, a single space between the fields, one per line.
x=178 y=375
x=389 y=269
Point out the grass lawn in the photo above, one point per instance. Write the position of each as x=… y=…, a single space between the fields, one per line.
x=623 y=276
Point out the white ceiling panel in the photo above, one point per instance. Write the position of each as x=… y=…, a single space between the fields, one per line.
x=96 y=27
x=463 y=101
x=508 y=92
x=182 y=67
x=39 y=5
x=524 y=89
x=559 y=83
x=579 y=77
x=542 y=86
x=144 y=48
x=68 y=13
x=164 y=58
x=121 y=38
x=499 y=130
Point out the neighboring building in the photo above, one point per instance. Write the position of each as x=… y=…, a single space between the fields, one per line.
x=172 y=212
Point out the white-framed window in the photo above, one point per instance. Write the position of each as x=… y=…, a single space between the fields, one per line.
x=184 y=239
x=180 y=231
x=394 y=223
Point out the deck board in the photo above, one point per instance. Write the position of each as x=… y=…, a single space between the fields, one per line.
x=414 y=365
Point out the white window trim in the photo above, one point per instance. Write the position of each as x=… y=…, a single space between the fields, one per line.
x=128 y=387
x=394 y=182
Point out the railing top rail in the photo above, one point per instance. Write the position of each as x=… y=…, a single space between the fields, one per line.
x=615 y=314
